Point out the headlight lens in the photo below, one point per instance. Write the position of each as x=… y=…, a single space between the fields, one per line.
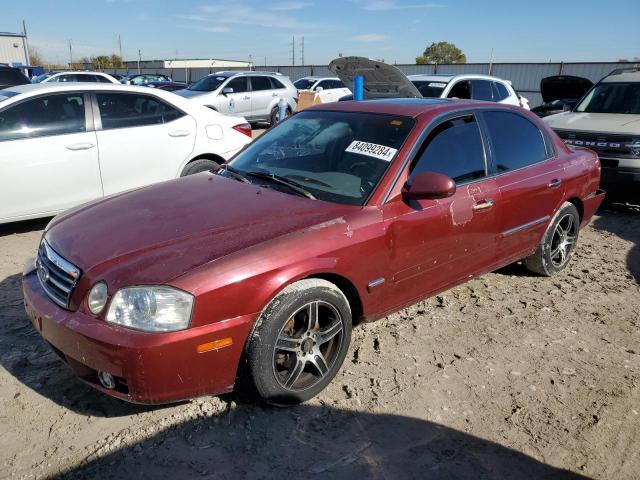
x=97 y=298
x=152 y=308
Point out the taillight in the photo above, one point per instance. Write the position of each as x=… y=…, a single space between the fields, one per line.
x=244 y=128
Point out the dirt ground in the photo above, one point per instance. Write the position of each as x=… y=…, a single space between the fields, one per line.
x=508 y=376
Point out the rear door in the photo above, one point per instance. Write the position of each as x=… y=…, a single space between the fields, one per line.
x=262 y=96
x=529 y=178
x=482 y=90
x=141 y=139
x=435 y=243
x=48 y=156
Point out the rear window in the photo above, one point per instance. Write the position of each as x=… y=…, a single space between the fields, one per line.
x=430 y=89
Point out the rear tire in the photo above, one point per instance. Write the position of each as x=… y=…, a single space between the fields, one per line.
x=558 y=243
x=299 y=342
x=275 y=116
x=198 y=166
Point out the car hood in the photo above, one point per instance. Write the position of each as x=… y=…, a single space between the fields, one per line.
x=157 y=233
x=380 y=80
x=186 y=93
x=595 y=122
x=560 y=87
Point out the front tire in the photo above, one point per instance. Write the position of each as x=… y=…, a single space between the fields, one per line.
x=198 y=166
x=558 y=244
x=299 y=342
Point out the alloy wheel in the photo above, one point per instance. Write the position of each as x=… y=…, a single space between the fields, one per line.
x=308 y=345
x=563 y=240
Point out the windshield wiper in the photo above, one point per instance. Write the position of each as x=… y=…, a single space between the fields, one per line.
x=294 y=186
x=234 y=173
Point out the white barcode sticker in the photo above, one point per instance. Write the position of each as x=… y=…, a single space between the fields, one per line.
x=372 y=150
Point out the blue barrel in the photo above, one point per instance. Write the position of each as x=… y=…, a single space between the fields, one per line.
x=358 y=88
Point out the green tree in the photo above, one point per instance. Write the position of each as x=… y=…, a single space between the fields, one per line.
x=101 y=61
x=441 y=53
x=116 y=61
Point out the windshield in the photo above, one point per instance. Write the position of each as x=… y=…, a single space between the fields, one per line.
x=430 y=89
x=208 y=84
x=336 y=156
x=40 y=78
x=623 y=97
x=304 y=84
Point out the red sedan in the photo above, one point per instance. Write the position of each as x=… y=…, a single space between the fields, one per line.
x=342 y=213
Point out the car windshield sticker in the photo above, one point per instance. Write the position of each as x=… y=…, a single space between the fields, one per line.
x=437 y=84
x=372 y=150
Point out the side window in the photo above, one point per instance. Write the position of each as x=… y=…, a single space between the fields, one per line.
x=453 y=148
x=276 y=84
x=460 y=90
x=102 y=79
x=67 y=78
x=43 y=116
x=122 y=110
x=324 y=84
x=516 y=141
x=336 y=84
x=500 y=90
x=260 y=83
x=481 y=90
x=239 y=85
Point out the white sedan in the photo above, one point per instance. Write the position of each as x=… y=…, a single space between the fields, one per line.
x=64 y=77
x=65 y=144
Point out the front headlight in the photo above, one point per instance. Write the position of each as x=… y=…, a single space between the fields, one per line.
x=152 y=308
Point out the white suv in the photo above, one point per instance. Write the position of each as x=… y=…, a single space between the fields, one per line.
x=253 y=95
x=476 y=87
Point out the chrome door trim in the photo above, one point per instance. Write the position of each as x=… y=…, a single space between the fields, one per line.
x=524 y=226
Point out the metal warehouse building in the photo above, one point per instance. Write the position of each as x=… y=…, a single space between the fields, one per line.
x=13 y=49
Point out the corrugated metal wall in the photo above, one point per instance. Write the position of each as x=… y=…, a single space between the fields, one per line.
x=524 y=76
x=9 y=52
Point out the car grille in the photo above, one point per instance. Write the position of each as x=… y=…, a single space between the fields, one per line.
x=606 y=144
x=57 y=276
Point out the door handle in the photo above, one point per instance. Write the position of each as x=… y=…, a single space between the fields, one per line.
x=247 y=98
x=274 y=95
x=555 y=183
x=180 y=133
x=80 y=146
x=483 y=205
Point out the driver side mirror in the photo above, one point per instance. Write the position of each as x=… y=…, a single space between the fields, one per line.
x=429 y=186
x=227 y=91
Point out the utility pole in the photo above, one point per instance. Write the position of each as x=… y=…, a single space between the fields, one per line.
x=120 y=47
x=24 y=43
x=70 y=55
x=139 y=59
x=293 y=51
x=302 y=53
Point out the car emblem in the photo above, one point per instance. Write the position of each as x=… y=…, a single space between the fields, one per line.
x=635 y=148
x=43 y=273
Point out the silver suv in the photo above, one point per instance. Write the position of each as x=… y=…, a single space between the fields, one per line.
x=252 y=95
x=607 y=120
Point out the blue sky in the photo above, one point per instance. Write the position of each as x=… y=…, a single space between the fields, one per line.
x=395 y=30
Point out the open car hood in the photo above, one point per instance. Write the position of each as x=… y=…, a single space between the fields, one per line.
x=563 y=87
x=380 y=80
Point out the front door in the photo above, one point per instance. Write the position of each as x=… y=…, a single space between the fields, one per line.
x=48 y=156
x=142 y=140
x=436 y=243
x=239 y=101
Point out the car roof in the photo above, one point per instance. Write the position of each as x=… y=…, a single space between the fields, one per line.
x=81 y=72
x=623 y=75
x=408 y=107
x=36 y=88
x=448 y=78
